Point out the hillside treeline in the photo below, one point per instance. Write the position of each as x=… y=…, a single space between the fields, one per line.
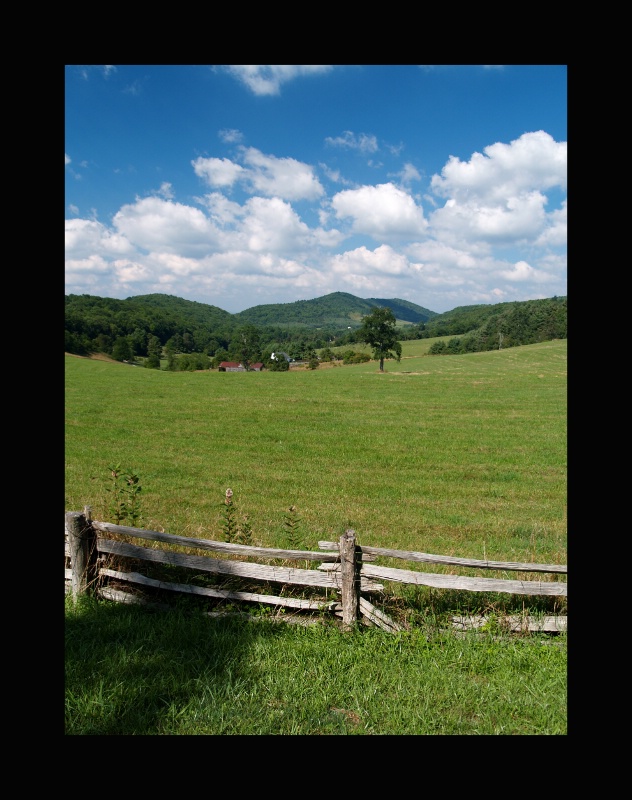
x=152 y=324
x=477 y=328
x=471 y=329
x=152 y=327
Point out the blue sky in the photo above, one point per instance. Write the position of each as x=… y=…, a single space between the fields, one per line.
x=243 y=185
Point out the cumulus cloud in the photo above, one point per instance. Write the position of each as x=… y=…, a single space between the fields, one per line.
x=555 y=232
x=217 y=171
x=535 y=161
x=222 y=211
x=159 y=225
x=282 y=177
x=84 y=238
x=522 y=272
x=272 y=225
x=519 y=217
x=246 y=236
x=273 y=177
x=373 y=271
x=381 y=261
x=86 y=270
x=382 y=212
x=500 y=196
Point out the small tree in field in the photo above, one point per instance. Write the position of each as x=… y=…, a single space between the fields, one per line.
x=379 y=332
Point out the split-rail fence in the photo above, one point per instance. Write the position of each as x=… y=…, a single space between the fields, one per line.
x=344 y=567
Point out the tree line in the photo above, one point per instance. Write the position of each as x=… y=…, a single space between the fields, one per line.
x=192 y=336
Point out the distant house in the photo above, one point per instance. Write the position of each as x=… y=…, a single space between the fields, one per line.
x=234 y=366
x=279 y=355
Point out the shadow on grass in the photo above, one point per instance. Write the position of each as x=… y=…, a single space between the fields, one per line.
x=131 y=670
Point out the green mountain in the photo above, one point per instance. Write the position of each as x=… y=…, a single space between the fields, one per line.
x=337 y=310
x=183 y=310
x=405 y=311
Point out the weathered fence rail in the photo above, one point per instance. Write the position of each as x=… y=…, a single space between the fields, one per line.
x=344 y=567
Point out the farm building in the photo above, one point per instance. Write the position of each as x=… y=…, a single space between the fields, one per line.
x=234 y=366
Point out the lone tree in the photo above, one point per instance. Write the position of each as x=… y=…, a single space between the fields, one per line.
x=378 y=330
x=248 y=345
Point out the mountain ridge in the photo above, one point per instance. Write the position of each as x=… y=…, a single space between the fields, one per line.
x=138 y=324
x=336 y=308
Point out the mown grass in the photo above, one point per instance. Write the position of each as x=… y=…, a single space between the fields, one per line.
x=463 y=455
x=459 y=455
x=130 y=671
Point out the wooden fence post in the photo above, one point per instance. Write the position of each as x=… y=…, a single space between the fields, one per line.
x=350 y=565
x=82 y=539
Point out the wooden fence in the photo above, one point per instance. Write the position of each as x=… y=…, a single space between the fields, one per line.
x=344 y=568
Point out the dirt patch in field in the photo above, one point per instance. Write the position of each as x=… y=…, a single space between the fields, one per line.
x=95 y=357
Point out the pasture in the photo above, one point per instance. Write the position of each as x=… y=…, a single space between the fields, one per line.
x=460 y=455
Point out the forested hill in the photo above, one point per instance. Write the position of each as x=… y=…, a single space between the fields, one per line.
x=470 y=329
x=337 y=310
x=151 y=324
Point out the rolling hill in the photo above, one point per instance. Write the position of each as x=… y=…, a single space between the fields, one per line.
x=336 y=310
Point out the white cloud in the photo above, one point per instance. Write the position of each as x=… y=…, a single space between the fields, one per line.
x=166 y=190
x=159 y=225
x=443 y=258
x=382 y=212
x=85 y=238
x=268 y=175
x=535 y=161
x=217 y=171
x=519 y=217
x=86 y=271
x=482 y=245
x=407 y=175
x=555 y=232
x=364 y=142
x=522 y=272
x=500 y=196
x=267 y=79
x=373 y=271
x=230 y=135
x=382 y=261
x=281 y=177
x=271 y=225
x=85 y=70
x=223 y=212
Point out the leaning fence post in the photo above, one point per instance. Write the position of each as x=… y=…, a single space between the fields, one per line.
x=350 y=564
x=82 y=539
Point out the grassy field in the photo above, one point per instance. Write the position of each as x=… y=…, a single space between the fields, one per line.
x=460 y=455
x=133 y=672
